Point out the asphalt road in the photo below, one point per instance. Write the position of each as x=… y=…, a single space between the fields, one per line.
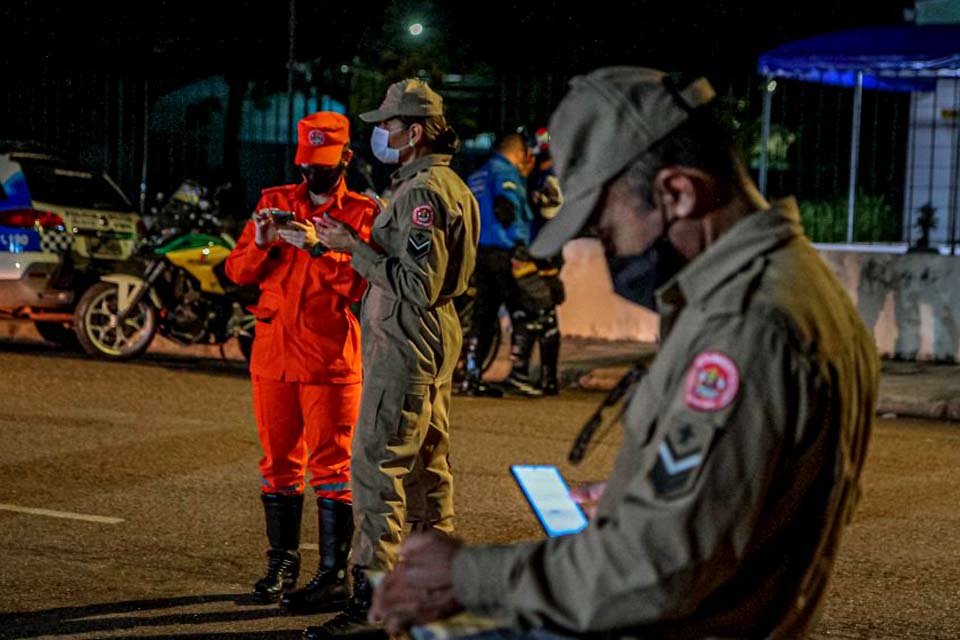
x=149 y=525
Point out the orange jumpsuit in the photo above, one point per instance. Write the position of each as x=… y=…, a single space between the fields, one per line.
x=305 y=366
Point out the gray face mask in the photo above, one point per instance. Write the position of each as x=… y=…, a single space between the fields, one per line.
x=380 y=144
x=638 y=277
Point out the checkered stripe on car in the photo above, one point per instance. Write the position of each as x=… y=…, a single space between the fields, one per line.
x=56 y=241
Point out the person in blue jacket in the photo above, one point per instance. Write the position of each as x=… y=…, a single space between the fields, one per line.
x=506 y=220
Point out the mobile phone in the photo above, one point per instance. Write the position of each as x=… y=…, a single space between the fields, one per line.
x=549 y=497
x=282 y=217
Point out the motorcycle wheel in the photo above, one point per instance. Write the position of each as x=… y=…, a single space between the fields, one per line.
x=57 y=333
x=95 y=323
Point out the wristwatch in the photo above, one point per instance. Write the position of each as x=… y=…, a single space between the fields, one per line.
x=317 y=250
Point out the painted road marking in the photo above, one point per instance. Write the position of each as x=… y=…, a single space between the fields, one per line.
x=60 y=514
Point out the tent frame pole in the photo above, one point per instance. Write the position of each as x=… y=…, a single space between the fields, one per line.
x=854 y=153
x=768 y=88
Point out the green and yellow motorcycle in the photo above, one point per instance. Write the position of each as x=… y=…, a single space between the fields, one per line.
x=182 y=293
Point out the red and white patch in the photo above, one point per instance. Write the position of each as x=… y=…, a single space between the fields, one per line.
x=423 y=216
x=315 y=137
x=712 y=382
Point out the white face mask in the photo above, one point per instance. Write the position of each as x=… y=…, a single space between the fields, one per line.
x=380 y=143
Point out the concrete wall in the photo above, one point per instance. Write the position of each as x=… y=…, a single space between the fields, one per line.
x=910 y=301
x=592 y=310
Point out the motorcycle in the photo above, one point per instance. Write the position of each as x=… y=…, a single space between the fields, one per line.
x=181 y=292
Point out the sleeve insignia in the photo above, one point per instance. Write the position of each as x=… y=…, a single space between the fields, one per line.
x=712 y=382
x=679 y=459
x=419 y=244
x=423 y=216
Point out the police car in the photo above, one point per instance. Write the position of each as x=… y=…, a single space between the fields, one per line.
x=61 y=226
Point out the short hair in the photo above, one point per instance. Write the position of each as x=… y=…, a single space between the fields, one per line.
x=510 y=142
x=706 y=141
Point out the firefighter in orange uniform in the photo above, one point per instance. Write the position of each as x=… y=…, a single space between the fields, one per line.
x=305 y=367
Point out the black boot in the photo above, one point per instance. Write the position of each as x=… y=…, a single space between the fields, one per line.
x=550 y=354
x=352 y=621
x=549 y=385
x=282 y=513
x=521 y=348
x=327 y=590
x=473 y=384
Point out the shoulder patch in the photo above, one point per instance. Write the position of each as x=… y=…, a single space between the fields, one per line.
x=419 y=244
x=423 y=216
x=679 y=459
x=712 y=382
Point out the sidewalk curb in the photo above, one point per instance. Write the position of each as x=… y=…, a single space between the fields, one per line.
x=934 y=409
x=907 y=389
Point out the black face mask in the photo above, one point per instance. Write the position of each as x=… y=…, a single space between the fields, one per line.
x=637 y=277
x=322 y=180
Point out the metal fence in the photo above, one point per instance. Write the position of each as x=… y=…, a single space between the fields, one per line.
x=908 y=162
x=95 y=118
x=808 y=154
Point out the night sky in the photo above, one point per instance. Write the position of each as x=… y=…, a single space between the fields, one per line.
x=174 y=40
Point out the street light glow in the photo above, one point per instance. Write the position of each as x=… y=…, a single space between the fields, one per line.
x=416 y=29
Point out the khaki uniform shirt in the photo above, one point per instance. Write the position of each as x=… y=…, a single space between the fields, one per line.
x=739 y=466
x=427 y=240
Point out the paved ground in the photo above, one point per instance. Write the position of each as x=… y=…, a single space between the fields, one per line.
x=912 y=389
x=166 y=447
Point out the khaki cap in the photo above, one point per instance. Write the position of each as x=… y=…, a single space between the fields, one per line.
x=408 y=97
x=607 y=119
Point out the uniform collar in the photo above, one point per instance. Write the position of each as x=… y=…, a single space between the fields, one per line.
x=753 y=236
x=335 y=201
x=407 y=171
x=503 y=160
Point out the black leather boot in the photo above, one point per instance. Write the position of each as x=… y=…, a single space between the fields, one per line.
x=472 y=384
x=352 y=621
x=550 y=355
x=282 y=514
x=327 y=590
x=521 y=348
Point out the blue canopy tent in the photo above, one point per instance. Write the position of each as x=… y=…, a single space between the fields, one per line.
x=893 y=58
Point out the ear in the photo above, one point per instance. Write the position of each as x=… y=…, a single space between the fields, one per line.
x=346 y=156
x=684 y=192
x=416 y=133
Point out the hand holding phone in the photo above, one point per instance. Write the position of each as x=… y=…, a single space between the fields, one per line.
x=265 y=227
x=549 y=497
x=282 y=217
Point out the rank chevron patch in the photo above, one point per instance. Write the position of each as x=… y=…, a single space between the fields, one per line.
x=419 y=245
x=679 y=459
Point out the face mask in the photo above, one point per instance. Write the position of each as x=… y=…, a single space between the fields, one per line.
x=637 y=277
x=380 y=143
x=322 y=180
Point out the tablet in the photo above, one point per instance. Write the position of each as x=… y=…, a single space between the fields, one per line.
x=549 y=497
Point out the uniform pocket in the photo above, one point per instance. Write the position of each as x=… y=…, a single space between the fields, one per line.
x=266 y=307
x=411 y=414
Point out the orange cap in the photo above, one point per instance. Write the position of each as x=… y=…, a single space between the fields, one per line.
x=321 y=137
